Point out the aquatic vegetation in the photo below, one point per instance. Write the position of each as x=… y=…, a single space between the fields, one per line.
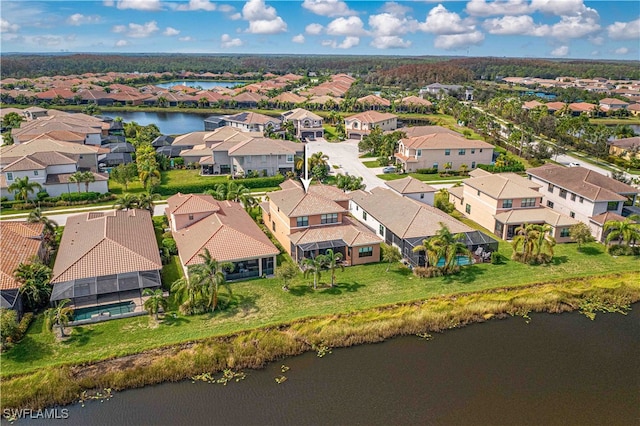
x=425 y=336
x=281 y=379
x=284 y=368
x=322 y=350
x=102 y=395
x=593 y=304
x=228 y=375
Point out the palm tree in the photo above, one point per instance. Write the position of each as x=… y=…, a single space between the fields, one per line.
x=390 y=254
x=77 y=178
x=623 y=230
x=313 y=266
x=525 y=240
x=332 y=261
x=60 y=316
x=145 y=201
x=22 y=188
x=87 y=178
x=149 y=175
x=240 y=194
x=126 y=202
x=446 y=246
x=50 y=227
x=187 y=290
x=34 y=283
x=210 y=274
x=318 y=159
x=433 y=252
x=155 y=301
x=544 y=242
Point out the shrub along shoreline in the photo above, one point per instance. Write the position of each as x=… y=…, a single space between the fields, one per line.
x=254 y=348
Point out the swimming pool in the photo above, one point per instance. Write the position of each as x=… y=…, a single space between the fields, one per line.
x=112 y=310
x=460 y=261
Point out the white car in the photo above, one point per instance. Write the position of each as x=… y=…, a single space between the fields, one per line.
x=574 y=164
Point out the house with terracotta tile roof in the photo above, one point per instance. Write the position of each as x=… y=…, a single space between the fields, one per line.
x=359 y=125
x=309 y=223
x=581 y=193
x=612 y=104
x=627 y=148
x=374 y=102
x=200 y=222
x=405 y=223
x=248 y=122
x=413 y=104
x=502 y=202
x=85 y=155
x=20 y=242
x=437 y=149
x=105 y=261
x=306 y=123
x=413 y=188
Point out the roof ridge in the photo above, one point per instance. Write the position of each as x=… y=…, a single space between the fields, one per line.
x=415 y=216
x=197 y=252
x=78 y=259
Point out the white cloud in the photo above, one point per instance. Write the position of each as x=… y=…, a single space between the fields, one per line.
x=351 y=26
x=577 y=26
x=386 y=24
x=596 y=40
x=148 y=5
x=226 y=8
x=390 y=42
x=137 y=30
x=108 y=3
x=197 y=5
x=441 y=21
x=170 y=31
x=560 y=51
x=298 y=39
x=621 y=51
x=499 y=7
x=330 y=8
x=262 y=19
x=347 y=43
x=458 y=41
x=313 y=29
x=515 y=25
x=395 y=9
x=236 y=16
x=7 y=27
x=226 y=41
x=559 y=7
x=624 y=30
x=122 y=43
x=187 y=38
x=80 y=19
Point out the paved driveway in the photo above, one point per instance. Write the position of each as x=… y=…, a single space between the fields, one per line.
x=345 y=156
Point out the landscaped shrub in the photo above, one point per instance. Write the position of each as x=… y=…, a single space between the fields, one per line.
x=251 y=183
x=79 y=196
x=493 y=169
x=623 y=250
x=496 y=258
x=431 y=171
x=169 y=244
x=428 y=272
x=42 y=195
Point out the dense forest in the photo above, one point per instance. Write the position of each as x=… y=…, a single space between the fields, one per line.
x=378 y=69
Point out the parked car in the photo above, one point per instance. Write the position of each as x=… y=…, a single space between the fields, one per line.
x=389 y=169
x=574 y=164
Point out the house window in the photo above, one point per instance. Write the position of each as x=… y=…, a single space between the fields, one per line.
x=612 y=205
x=563 y=193
x=550 y=204
x=582 y=199
x=302 y=221
x=9 y=176
x=462 y=152
x=478 y=193
x=35 y=173
x=480 y=149
x=273 y=226
x=573 y=196
x=365 y=252
x=572 y=215
x=550 y=187
x=473 y=164
x=467 y=208
x=422 y=196
x=289 y=158
x=473 y=151
x=564 y=232
x=528 y=202
x=435 y=166
x=248 y=158
x=190 y=217
x=447 y=152
x=381 y=230
x=329 y=218
x=419 y=153
x=264 y=158
x=507 y=204
x=364 y=215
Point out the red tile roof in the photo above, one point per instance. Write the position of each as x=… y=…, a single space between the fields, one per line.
x=19 y=243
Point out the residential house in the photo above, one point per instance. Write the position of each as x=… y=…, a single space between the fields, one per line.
x=438 y=91
x=86 y=156
x=406 y=223
x=105 y=262
x=634 y=109
x=413 y=188
x=265 y=156
x=252 y=122
x=309 y=223
x=626 y=148
x=441 y=151
x=612 y=104
x=20 y=242
x=307 y=124
x=502 y=202
x=199 y=222
x=359 y=125
x=581 y=193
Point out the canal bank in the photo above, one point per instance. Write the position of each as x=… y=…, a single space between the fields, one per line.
x=255 y=348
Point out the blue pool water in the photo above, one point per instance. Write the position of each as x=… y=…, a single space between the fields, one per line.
x=112 y=310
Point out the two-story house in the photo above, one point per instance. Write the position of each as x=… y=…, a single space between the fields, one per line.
x=581 y=193
x=359 y=125
x=441 y=150
x=413 y=188
x=309 y=223
x=405 y=223
x=200 y=222
x=502 y=202
x=252 y=122
x=265 y=156
x=307 y=124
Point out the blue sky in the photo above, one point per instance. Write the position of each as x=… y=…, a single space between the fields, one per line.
x=513 y=28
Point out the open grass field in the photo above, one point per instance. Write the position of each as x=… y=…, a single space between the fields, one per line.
x=262 y=302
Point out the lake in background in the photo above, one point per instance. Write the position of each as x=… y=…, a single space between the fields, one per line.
x=204 y=84
x=169 y=123
x=558 y=369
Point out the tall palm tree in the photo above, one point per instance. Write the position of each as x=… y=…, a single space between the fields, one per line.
x=50 y=226
x=623 y=230
x=524 y=242
x=60 y=316
x=146 y=201
x=318 y=159
x=210 y=274
x=240 y=194
x=34 y=283
x=87 y=178
x=446 y=246
x=432 y=251
x=149 y=175
x=544 y=240
x=77 y=178
x=333 y=261
x=155 y=301
x=22 y=188
x=313 y=266
x=186 y=290
x=126 y=202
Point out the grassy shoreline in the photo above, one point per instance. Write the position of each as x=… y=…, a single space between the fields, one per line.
x=255 y=347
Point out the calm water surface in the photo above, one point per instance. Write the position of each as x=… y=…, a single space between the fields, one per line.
x=558 y=369
x=169 y=123
x=204 y=84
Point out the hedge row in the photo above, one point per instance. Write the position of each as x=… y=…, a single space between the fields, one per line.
x=251 y=183
x=431 y=171
x=493 y=169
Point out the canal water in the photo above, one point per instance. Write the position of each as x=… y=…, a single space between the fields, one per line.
x=555 y=370
x=202 y=84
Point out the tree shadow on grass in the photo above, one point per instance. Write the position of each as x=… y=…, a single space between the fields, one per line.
x=467 y=274
x=172 y=319
x=558 y=260
x=81 y=336
x=339 y=288
x=403 y=271
x=301 y=290
x=241 y=305
x=591 y=251
x=27 y=351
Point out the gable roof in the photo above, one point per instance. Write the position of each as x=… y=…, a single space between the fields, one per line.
x=443 y=140
x=501 y=186
x=95 y=244
x=584 y=182
x=300 y=114
x=351 y=232
x=294 y=202
x=19 y=243
x=266 y=146
x=371 y=117
x=626 y=142
x=191 y=203
x=409 y=185
x=251 y=118
x=542 y=214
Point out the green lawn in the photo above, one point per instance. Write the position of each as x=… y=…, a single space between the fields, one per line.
x=170 y=179
x=371 y=164
x=425 y=178
x=262 y=302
